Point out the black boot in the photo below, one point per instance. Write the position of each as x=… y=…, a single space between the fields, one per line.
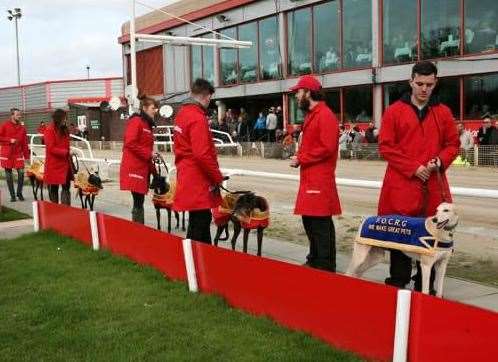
x=137 y=215
x=10 y=184
x=20 y=183
x=53 y=193
x=65 y=196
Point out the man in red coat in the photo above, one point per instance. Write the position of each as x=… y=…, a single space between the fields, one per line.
x=317 y=199
x=14 y=152
x=418 y=137
x=198 y=172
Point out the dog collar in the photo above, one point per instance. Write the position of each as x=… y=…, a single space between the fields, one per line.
x=441 y=244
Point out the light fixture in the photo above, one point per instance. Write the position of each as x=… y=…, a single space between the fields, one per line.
x=222 y=18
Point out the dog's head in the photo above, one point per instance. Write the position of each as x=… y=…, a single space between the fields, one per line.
x=246 y=203
x=160 y=185
x=94 y=180
x=446 y=217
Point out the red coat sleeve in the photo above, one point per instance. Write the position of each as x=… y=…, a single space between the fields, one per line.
x=3 y=137
x=50 y=143
x=327 y=134
x=451 y=141
x=390 y=150
x=202 y=150
x=132 y=141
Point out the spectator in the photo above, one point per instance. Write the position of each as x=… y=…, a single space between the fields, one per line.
x=356 y=140
x=485 y=131
x=466 y=141
x=243 y=132
x=371 y=134
x=41 y=130
x=296 y=134
x=260 y=127
x=73 y=130
x=287 y=145
x=344 y=142
x=280 y=118
x=271 y=124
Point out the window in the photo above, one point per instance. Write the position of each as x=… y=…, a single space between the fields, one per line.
x=357 y=33
x=208 y=62
x=394 y=91
x=327 y=48
x=481 y=96
x=248 y=57
x=448 y=91
x=270 y=61
x=481 y=26
x=296 y=115
x=358 y=104
x=440 y=28
x=228 y=60
x=400 y=31
x=299 y=41
x=196 y=61
x=333 y=100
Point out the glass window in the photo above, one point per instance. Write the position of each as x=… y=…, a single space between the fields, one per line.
x=270 y=62
x=394 y=91
x=228 y=60
x=358 y=104
x=440 y=35
x=357 y=33
x=248 y=57
x=299 y=41
x=196 y=61
x=208 y=62
x=481 y=26
x=481 y=96
x=448 y=91
x=326 y=37
x=295 y=113
x=333 y=100
x=400 y=31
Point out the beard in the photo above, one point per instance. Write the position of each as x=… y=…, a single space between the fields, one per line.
x=304 y=104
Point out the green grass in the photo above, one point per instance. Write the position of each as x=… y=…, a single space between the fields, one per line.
x=7 y=214
x=61 y=301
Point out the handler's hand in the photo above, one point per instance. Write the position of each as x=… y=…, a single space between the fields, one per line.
x=13 y=141
x=423 y=173
x=433 y=165
x=294 y=162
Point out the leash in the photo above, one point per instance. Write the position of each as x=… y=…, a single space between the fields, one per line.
x=234 y=192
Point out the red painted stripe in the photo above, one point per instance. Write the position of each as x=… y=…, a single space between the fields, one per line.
x=195 y=15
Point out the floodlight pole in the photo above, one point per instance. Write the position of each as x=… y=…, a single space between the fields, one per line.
x=133 y=62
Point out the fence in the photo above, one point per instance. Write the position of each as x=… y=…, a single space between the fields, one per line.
x=375 y=321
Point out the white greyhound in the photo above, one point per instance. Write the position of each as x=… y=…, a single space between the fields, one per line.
x=440 y=226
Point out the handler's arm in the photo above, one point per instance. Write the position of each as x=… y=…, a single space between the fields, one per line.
x=391 y=151
x=132 y=141
x=326 y=131
x=52 y=147
x=201 y=140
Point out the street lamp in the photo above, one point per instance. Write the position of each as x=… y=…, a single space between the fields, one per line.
x=15 y=15
x=87 y=72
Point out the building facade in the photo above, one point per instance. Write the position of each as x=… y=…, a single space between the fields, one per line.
x=361 y=50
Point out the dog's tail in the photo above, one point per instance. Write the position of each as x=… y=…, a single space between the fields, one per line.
x=227 y=234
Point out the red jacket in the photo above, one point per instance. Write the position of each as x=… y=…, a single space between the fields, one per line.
x=196 y=161
x=136 y=164
x=406 y=143
x=57 y=166
x=317 y=158
x=13 y=155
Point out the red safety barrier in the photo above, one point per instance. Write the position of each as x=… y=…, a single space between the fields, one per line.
x=348 y=313
x=143 y=244
x=66 y=220
x=442 y=330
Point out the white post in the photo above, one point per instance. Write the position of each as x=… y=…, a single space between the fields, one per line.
x=402 y=326
x=190 y=266
x=133 y=61
x=95 y=230
x=36 y=217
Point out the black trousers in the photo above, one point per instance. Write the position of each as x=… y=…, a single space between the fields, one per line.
x=10 y=181
x=138 y=200
x=199 y=226
x=401 y=272
x=53 y=193
x=321 y=236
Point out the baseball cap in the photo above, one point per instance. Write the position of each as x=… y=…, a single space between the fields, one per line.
x=307 y=82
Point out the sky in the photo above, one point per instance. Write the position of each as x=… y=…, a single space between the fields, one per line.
x=59 y=38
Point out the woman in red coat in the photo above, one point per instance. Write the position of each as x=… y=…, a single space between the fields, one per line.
x=57 y=158
x=136 y=163
x=14 y=152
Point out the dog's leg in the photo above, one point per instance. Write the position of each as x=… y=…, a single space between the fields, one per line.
x=41 y=190
x=360 y=254
x=426 y=263
x=183 y=221
x=177 y=217
x=219 y=230
x=236 y=232
x=169 y=220
x=246 y=239
x=260 y=240
x=80 y=194
x=440 y=271
x=158 y=218
x=35 y=191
